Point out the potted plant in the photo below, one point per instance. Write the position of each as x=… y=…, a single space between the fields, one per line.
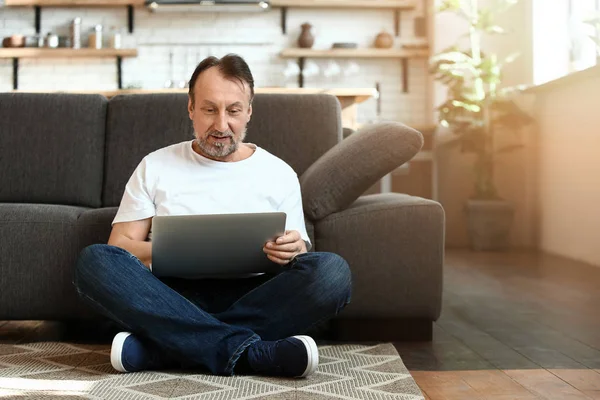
x=476 y=111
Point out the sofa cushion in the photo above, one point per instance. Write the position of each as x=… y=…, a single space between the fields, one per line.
x=38 y=249
x=136 y=126
x=52 y=148
x=94 y=226
x=394 y=244
x=296 y=128
x=346 y=171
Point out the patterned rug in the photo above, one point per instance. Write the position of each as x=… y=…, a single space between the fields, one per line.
x=51 y=370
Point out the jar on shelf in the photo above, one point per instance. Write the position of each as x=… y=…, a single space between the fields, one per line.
x=95 y=38
x=51 y=40
x=115 y=38
x=384 y=40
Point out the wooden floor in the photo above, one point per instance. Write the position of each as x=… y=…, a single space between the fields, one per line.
x=513 y=326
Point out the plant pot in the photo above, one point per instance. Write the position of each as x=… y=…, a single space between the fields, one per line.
x=489 y=223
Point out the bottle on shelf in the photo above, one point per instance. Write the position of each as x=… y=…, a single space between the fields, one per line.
x=76 y=33
x=95 y=38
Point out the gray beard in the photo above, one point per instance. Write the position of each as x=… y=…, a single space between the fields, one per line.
x=219 y=150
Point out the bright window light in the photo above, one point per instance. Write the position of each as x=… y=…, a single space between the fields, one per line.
x=561 y=42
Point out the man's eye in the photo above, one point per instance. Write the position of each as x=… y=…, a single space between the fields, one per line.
x=209 y=110
x=234 y=112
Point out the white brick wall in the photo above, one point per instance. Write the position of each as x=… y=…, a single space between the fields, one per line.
x=191 y=37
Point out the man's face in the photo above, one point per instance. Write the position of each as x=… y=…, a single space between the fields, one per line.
x=219 y=114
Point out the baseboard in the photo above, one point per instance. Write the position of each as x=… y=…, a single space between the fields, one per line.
x=337 y=330
x=380 y=330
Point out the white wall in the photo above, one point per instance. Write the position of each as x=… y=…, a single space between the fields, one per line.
x=569 y=170
x=257 y=37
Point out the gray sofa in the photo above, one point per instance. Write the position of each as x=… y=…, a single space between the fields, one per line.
x=65 y=160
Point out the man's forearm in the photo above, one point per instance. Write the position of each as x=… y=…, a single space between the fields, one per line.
x=140 y=249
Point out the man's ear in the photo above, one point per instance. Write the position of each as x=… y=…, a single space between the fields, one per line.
x=190 y=107
x=249 y=112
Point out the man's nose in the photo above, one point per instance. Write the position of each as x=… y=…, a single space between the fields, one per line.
x=221 y=123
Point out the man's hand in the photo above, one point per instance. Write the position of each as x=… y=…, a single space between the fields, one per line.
x=285 y=248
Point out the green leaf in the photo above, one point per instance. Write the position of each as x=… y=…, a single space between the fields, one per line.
x=511 y=90
x=479 y=90
x=490 y=69
x=449 y=5
x=592 y=19
x=466 y=106
x=472 y=97
x=495 y=29
x=457 y=69
x=511 y=58
x=452 y=57
x=485 y=19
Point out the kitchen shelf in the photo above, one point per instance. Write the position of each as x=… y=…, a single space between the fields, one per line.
x=402 y=54
x=397 y=5
x=355 y=53
x=38 y=4
x=32 y=52
x=73 y=3
x=390 y=4
x=35 y=52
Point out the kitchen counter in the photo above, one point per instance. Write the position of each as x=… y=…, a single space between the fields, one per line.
x=349 y=98
x=359 y=95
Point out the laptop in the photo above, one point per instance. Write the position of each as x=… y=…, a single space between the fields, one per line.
x=217 y=245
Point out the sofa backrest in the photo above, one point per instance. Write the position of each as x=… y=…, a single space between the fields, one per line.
x=52 y=148
x=296 y=128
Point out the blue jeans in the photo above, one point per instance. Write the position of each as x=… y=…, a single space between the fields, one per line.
x=208 y=323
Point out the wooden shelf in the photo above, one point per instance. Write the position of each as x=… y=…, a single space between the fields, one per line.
x=389 y=4
x=365 y=4
x=353 y=95
x=396 y=5
x=373 y=4
x=73 y=3
x=38 y=4
x=33 y=52
x=401 y=54
x=355 y=53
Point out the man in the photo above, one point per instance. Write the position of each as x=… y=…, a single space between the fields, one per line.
x=227 y=326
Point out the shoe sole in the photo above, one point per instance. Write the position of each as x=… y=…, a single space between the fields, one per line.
x=313 y=355
x=116 y=351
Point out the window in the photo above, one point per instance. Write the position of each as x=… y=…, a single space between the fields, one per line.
x=561 y=38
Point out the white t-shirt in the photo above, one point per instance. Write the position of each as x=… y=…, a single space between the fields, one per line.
x=175 y=180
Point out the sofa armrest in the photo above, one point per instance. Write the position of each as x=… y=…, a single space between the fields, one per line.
x=348 y=169
x=394 y=244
